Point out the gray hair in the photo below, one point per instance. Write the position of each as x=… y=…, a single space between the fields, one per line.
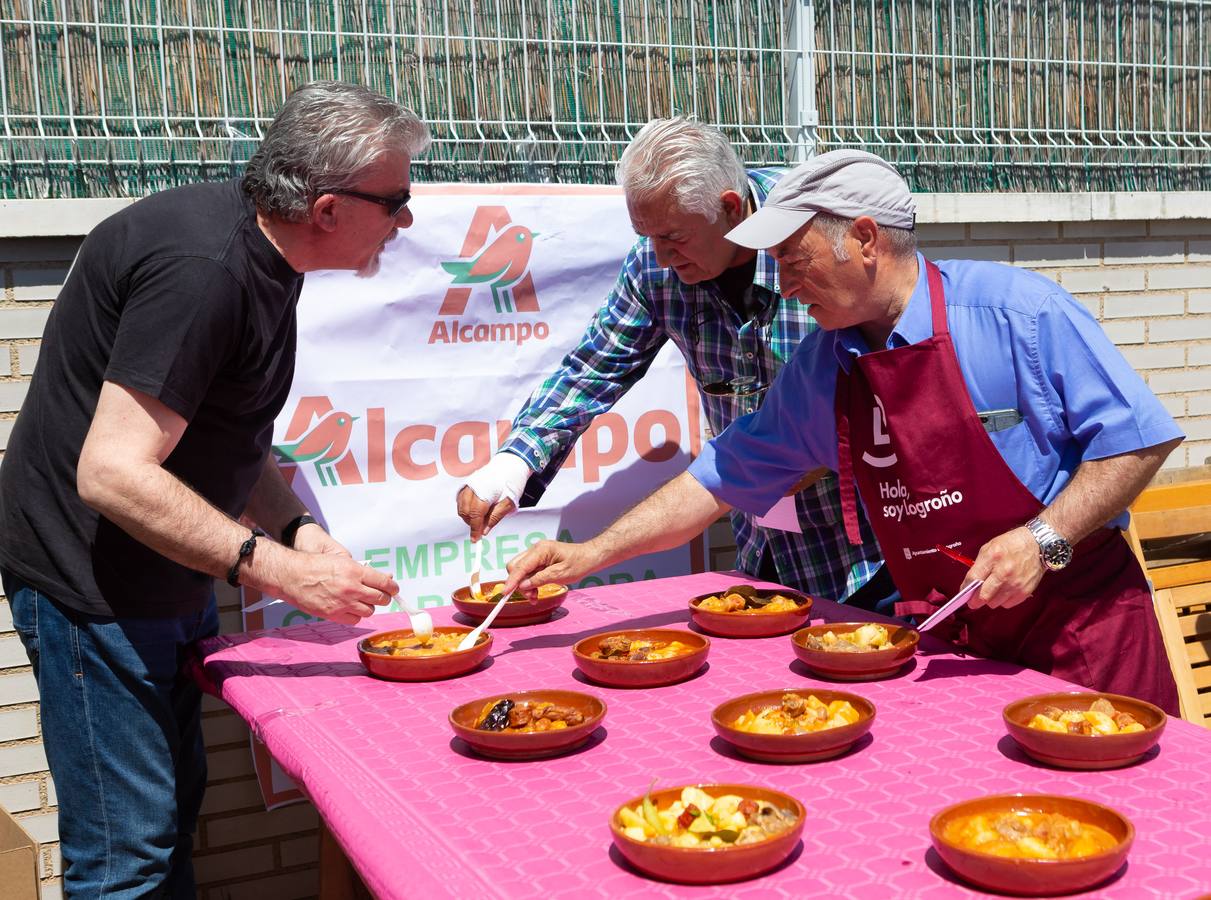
x=901 y=242
x=692 y=160
x=325 y=137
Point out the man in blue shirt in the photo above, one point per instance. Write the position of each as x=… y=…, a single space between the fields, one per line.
x=978 y=408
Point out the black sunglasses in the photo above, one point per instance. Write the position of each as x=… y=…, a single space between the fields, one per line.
x=393 y=205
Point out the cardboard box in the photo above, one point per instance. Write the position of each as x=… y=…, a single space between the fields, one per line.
x=18 y=860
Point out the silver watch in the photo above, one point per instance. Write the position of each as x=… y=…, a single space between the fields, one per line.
x=1054 y=551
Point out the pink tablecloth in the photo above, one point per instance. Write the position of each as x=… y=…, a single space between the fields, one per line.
x=420 y=816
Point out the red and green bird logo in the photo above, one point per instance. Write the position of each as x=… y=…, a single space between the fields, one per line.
x=500 y=264
x=323 y=445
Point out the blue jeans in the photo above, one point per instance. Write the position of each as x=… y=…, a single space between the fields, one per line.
x=123 y=735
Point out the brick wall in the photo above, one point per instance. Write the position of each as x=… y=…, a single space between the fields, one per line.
x=1140 y=263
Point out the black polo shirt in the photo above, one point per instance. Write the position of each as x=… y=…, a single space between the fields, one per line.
x=182 y=297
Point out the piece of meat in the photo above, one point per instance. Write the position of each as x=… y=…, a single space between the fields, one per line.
x=564 y=714
x=614 y=646
x=1053 y=712
x=793 y=705
x=1081 y=727
x=520 y=715
x=733 y=602
x=1122 y=720
x=770 y=820
x=1010 y=828
x=1057 y=832
x=687 y=816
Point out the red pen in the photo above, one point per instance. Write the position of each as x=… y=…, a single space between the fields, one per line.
x=955 y=555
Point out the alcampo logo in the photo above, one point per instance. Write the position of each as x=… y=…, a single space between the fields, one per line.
x=495 y=255
x=362 y=449
x=323 y=444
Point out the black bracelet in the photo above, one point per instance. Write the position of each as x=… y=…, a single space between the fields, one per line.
x=246 y=548
x=294 y=525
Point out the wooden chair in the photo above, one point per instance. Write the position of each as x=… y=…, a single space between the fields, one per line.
x=1181 y=582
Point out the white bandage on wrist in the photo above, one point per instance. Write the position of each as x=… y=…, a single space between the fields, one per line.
x=504 y=477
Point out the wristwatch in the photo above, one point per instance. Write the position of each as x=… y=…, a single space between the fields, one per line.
x=1054 y=551
x=293 y=526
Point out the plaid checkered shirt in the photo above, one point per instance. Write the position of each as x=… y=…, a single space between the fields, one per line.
x=650 y=305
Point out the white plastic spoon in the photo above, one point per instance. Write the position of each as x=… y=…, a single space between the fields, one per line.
x=421 y=621
x=475 y=595
x=472 y=636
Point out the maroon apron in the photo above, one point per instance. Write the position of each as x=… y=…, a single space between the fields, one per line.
x=909 y=436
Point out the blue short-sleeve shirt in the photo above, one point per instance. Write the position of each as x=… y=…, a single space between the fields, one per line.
x=1023 y=344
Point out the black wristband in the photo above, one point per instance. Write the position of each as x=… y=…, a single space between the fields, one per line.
x=294 y=525
x=246 y=548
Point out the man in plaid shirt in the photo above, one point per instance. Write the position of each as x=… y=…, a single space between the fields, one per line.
x=719 y=304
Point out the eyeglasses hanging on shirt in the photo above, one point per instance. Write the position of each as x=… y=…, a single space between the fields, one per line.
x=747 y=385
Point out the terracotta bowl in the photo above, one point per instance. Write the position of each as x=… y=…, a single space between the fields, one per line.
x=711 y=865
x=423 y=668
x=516 y=612
x=1034 y=877
x=536 y=745
x=868 y=666
x=752 y=624
x=646 y=673
x=1081 y=751
x=791 y=748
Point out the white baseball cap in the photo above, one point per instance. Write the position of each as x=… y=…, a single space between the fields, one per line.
x=845 y=183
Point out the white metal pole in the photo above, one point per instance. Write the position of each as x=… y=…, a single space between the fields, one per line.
x=803 y=81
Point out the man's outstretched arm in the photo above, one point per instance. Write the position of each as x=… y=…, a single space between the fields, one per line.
x=668 y=518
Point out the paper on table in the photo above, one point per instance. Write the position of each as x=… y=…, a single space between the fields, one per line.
x=959 y=599
x=262 y=604
x=782 y=516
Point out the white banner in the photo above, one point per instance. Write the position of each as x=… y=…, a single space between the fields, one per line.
x=407 y=382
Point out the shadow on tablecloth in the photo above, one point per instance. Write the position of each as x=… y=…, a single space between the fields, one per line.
x=800 y=668
x=240 y=669
x=960 y=667
x=461 y=618
x=724 y=749
x=226 y=669
x=463 y=749
x=325 y=633
x=1010 y=749
x=580 y=676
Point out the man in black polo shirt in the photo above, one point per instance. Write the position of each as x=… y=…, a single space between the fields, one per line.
x=145 y=438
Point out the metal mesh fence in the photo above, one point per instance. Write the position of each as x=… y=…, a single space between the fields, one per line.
x=122 y=97
x=127 y=97
x=1060 y=94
